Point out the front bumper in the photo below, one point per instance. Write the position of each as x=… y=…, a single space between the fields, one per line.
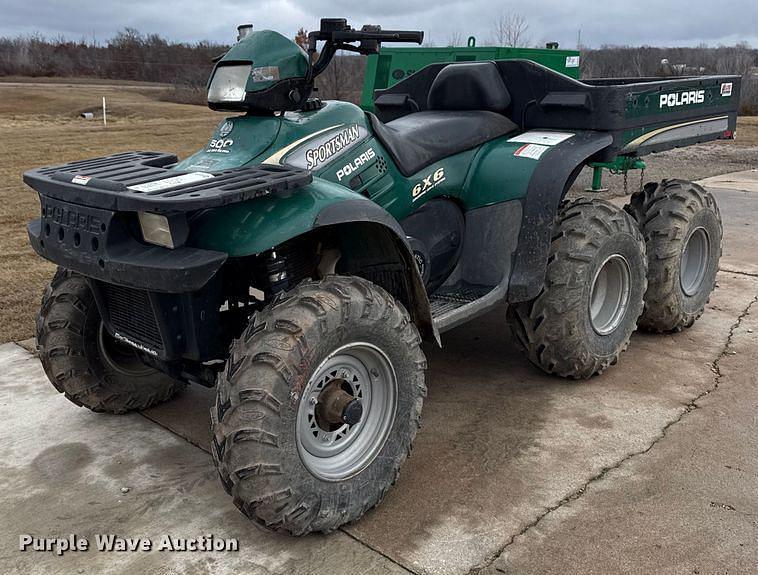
x=97 y=244
x=161 y=301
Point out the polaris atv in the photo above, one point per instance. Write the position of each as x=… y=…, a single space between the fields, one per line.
x=299 y=260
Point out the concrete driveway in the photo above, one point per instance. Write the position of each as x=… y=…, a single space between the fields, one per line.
x=651 y=467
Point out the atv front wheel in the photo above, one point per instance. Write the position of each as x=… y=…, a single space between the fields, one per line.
x=681 y=224
x=318 y=405
x=584 y=316
x=84 y=362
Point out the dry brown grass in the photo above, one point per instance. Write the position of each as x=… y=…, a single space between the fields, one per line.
x=747 y=132
x=39 y=125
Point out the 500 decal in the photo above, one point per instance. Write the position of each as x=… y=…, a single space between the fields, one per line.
x=682 y=98
x=219 y=145
x=334 y=145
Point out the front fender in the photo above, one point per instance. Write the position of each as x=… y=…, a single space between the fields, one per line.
x=252 y=227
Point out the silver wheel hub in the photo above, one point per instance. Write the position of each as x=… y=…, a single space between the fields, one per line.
x=346 y=411
x=609 y=295
x=695 y=259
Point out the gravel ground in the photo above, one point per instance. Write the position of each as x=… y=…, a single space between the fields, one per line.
x=692 y=163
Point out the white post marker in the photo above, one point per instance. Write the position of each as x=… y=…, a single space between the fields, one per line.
x=105 y=119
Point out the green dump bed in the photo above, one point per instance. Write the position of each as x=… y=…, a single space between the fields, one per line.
x=643 y=115
x=392 y=65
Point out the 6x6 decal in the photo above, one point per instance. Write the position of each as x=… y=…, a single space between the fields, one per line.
x=428 y=183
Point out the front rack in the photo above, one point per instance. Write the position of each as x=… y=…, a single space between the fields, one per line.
x=143 y=181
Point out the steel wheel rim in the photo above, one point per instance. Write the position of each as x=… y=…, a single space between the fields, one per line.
x=339 y=453
x=695 y=259
x=119 y=356
x=609 y=295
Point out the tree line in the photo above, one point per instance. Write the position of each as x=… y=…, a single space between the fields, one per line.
x=134 y=56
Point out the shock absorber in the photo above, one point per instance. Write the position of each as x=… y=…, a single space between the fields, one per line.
x=285 y=266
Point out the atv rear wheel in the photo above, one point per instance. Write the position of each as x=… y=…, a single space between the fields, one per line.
x=318 y=405
x=84 y=362
x=584 y=316
x=681 y=224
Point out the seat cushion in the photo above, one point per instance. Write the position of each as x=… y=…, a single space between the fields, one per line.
x=418 y=140
x=469 y=86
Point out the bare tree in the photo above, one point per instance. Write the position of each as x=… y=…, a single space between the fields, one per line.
x=455 y=39
x=510 y=29
x=331 y=82
x=301 y=38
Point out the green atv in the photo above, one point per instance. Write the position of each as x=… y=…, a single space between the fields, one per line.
x=299 y=260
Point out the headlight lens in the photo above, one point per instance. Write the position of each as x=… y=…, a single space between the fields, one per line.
x=229 y=83
x=156 y=229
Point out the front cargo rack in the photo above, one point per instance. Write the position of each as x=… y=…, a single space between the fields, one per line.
x=143 y=181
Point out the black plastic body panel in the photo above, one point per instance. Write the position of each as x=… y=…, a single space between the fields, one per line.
x=139 y=181
x=97 y=244
x=166 y=326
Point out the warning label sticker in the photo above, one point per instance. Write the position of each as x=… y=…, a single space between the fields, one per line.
x=81 y=180
x=167 y=183
x=532 y=151
x=542 y=137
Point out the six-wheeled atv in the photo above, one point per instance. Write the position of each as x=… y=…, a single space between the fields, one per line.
x=298 y=261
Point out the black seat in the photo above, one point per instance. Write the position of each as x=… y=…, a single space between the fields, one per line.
x=465 y=105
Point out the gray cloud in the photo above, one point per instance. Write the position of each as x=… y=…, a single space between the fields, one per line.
x=659 y=22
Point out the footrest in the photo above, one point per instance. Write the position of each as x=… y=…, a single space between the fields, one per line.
x=446 y=300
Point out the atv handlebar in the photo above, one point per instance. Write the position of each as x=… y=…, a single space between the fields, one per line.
x=416 y=37
x=339 y=36
x=337 y=31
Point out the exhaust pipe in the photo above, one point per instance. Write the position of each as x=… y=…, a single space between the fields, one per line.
x=243 y=31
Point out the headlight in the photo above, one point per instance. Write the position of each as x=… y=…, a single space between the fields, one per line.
x=156 y=229
x=229 y=83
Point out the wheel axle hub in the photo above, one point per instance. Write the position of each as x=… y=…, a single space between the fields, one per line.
x=336 y=406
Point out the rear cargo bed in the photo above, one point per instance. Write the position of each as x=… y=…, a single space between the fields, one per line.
x=643 y=115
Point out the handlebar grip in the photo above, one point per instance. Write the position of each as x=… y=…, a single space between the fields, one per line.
x=403 y=36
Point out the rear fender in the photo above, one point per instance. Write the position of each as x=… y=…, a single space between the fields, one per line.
x=537 y=175
x=556 y=171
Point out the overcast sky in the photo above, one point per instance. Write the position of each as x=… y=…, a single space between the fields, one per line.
x=634 y=22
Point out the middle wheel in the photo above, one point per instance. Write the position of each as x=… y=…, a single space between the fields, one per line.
x=593 y=293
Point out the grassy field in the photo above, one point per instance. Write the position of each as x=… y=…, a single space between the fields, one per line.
x=39 y=125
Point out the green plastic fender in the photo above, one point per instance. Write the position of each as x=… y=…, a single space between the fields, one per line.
x=255 y=226
x=252 y=227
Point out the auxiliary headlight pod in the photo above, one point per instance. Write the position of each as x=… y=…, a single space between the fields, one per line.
x=160 y=230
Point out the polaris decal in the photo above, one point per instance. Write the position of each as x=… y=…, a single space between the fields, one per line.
x=353 y=166
x=428 y=183
x=226 y=129
x=682 y=99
